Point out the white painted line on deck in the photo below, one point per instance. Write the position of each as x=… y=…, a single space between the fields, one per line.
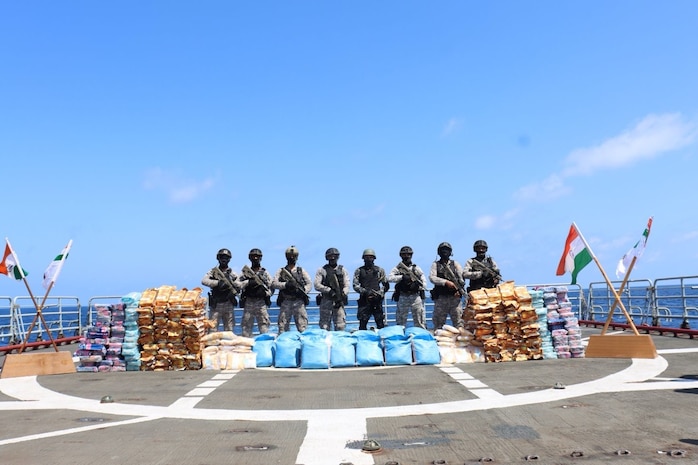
x=200 y=392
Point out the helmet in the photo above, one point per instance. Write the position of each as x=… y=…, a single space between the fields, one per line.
x=224 y=252
x=444 y=245
x=255 y=252
x=331 y=251
x=479 y=243
x=370 y=252
x=292 y=251
x=406 y=249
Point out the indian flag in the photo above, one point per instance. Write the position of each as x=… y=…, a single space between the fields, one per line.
x=10 y=265
x=635 y=252
x=576 y=255
x=54 y=268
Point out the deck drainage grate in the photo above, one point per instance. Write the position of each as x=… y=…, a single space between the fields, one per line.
x=91 y=420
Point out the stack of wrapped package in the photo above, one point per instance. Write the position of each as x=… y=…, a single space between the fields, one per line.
x=458 y=345
x=223 y=350
x=171 y=324
x=100 y=346
x=504 y=321
x=130 y=350
x=545 y=335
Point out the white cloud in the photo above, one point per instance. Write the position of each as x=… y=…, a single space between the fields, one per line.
x=451 y=126
x=485 y=222
x=177 y=189
x=652 y=137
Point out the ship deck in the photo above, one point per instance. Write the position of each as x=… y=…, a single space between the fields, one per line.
x=584 y=410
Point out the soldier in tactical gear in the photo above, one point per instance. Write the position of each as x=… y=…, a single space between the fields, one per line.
x=409 y=289
x=224 y=287
x=368 y=280
x=446 y=275
x=294 y=284
x=255 y=283
x=332 y=281
x=481 y=270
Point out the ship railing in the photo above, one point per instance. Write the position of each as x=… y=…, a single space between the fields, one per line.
x=7 y=333
x=62 y=315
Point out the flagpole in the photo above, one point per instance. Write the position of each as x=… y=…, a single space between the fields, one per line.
x=620 y=292
x=608 y=281
x=36 y=305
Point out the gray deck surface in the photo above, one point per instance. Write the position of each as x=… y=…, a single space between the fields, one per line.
x=459 y=414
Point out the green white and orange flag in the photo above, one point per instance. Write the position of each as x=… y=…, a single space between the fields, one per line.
x=575 y=256
x=10 y=266
x=635 y=252
x=54 y=268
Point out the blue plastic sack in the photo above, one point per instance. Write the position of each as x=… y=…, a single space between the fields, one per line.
x=288 y=352
x=343 y=350
x=398 y=351
x=264 y=347
x=368 y=349
x=419 y=333
x=426 y=351
x=388 y=332
x=315 y=353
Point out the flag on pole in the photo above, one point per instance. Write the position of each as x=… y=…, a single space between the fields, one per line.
x=10 y=264
x=54 y=268
x=635 y=252
x=575 y=256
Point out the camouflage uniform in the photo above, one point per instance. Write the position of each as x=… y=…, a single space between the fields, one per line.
x=332 y=310
x=255 y=306
x=447 y=301
x=221 y=309
x=366 y=280
x=292 y=303
x=410 y=300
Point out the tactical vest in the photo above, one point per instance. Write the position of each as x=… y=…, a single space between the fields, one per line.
x=255 y=290
x=217 y=295
x=370 y=277
x=441 y=273
x=337 y=271
x=403 y=288
x=299 y=294
x=485 y=281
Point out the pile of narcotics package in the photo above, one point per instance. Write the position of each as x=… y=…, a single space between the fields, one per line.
x=504 y=322
x=100 y=346
x=171 y=324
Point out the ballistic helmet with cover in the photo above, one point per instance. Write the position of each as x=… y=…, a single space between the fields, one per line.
x=224 y=253
x=292 y=251
x=255 y=251
x=369 y=252
x=331 y=251
x=444 y=245
x=479 y=243
x=406 y=249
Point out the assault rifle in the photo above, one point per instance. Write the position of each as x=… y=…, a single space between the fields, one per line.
x=454 y=279
x=406 y=270
x=487 y=270
x=299 y=287
x=250 y=274
x=232 y=292
x=336 y=291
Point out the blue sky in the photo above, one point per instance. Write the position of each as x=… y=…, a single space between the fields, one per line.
x=154 y=133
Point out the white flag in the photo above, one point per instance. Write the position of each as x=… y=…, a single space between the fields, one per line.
x=54 y=268
x=635 y=252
